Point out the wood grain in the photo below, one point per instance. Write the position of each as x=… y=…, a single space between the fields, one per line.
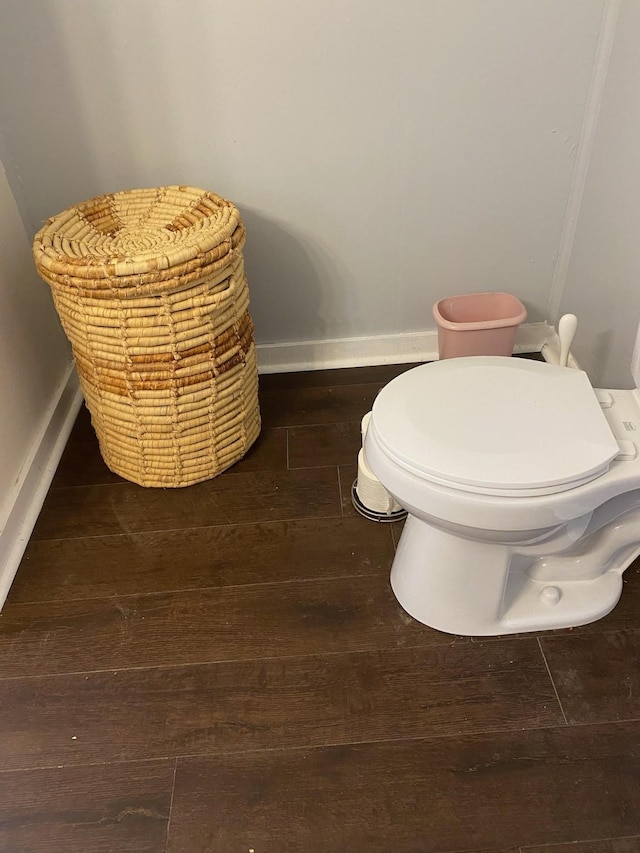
x=603 y=845
x=325 y=444
x=101 y=809
x=230 y=499
x=304 y=406
x=470 y=792
x=94 y=567
x=268 y=620
x=597 y=676
x=289 y=702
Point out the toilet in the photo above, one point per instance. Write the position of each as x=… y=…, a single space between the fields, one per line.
x=522 y=484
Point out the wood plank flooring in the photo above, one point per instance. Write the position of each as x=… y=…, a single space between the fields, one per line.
x=224 y=669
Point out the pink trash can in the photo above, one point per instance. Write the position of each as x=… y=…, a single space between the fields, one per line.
x=478 y=324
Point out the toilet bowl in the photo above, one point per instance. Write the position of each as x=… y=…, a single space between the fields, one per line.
x=522 y=484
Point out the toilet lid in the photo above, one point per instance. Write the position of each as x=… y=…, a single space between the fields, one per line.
x=495 y=425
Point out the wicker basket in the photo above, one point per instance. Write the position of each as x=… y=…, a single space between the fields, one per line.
x=151 y=291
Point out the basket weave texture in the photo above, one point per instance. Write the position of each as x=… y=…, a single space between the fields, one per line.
x=151 y=291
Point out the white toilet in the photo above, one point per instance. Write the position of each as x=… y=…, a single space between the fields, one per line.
x=522 y=484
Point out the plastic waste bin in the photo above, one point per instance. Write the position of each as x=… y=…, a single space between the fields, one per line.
x=478 y=324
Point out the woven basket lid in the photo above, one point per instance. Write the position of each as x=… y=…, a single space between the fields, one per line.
x=136 y=232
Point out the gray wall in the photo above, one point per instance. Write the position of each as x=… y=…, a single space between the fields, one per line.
x=383 y=154
x=34 y=355
x=603 y=281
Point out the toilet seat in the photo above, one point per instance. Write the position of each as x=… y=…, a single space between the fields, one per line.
x=495 y=426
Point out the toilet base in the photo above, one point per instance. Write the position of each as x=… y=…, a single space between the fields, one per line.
x=474 y=588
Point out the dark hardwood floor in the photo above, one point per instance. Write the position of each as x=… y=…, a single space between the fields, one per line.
x=224 y=669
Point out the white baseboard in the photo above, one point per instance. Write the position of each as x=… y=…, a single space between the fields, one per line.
x=380 y=349
x=31 y=488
